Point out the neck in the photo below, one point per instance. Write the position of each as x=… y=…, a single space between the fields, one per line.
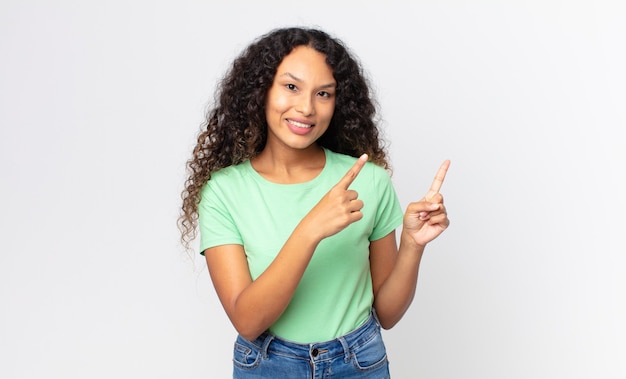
x=290 y=166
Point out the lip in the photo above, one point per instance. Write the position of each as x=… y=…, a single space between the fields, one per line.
x=298 y=129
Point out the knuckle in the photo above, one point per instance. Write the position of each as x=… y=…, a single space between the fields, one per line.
x=344 y=219
x=336 y=191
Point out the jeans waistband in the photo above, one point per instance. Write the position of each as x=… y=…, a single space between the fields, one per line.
x=318 y=351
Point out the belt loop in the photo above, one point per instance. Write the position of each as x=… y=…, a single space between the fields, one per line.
x=375 y=316
x=266 y=345
x=346 y=349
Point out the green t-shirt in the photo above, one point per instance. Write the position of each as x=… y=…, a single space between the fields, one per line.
x=335 y=295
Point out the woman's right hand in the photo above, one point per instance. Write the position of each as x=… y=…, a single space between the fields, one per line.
x=339 y=208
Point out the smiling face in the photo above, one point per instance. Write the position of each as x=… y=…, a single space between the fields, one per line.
x=301 y=100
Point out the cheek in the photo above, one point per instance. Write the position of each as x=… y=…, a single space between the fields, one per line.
x=277 y=103
x=329 y=111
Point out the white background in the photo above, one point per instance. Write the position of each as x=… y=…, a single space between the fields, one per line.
x=100 y=103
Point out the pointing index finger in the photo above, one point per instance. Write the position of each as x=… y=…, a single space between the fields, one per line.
x=438 y=181
x=353 y=172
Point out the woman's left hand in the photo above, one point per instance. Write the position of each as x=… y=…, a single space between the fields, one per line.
x=426 y=219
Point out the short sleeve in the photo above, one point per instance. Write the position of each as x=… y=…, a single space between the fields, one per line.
x=389 y=214
x=216 y=223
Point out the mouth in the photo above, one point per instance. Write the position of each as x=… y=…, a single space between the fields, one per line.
x=300 y=125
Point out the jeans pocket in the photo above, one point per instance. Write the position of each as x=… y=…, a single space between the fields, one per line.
x=246 y=355
x=372 y=354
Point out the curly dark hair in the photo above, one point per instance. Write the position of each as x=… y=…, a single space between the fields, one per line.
x=235 y=129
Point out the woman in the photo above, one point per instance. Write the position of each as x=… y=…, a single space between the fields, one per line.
x=297 y=214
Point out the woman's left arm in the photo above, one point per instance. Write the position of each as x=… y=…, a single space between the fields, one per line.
x=395 y=270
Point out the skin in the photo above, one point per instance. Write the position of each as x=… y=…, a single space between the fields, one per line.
x=303 y=93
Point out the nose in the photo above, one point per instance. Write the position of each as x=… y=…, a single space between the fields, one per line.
x=306 y=105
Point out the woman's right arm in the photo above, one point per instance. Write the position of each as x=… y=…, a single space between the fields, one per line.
x=253 y=306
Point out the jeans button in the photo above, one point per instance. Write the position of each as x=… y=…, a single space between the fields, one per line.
x=315 y=352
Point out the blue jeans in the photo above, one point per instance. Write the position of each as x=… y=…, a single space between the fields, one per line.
x=359 y=354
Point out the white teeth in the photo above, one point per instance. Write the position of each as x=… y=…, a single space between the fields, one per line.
x=299 y=124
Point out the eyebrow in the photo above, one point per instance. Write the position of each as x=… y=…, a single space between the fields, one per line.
x=292 y=76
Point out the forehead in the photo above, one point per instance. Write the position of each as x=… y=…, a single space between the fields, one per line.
x=305 y=61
